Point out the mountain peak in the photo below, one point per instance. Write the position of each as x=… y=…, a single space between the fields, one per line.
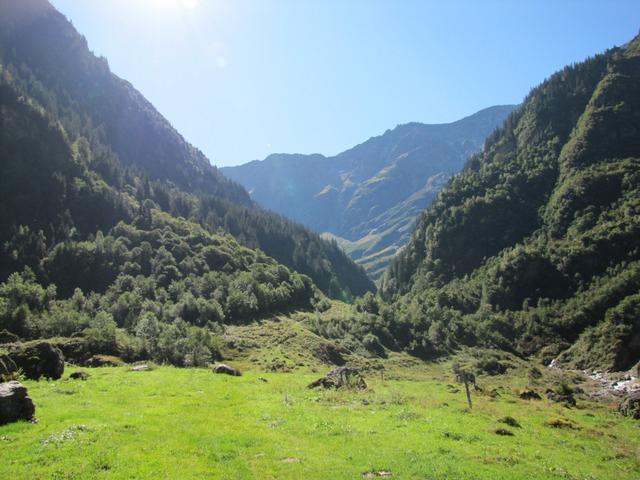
x=368 y=196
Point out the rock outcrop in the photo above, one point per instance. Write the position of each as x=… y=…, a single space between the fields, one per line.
x=40 y=359
x=630 y=406
x=15 y=403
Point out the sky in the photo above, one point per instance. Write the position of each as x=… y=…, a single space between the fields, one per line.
x=241 y=79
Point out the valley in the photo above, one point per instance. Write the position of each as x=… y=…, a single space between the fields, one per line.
x=368 y=197
x=443 y=301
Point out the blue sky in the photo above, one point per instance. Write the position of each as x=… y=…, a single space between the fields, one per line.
x=241 y=79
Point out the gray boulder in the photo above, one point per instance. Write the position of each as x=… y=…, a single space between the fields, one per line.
x=15 y=403
x=225 y=369
x=630 y=406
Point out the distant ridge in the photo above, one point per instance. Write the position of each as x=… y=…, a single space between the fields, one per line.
x=368 y=197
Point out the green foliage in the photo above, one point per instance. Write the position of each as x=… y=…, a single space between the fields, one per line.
x=535 y=244
x=74 y=165
x=163 y=285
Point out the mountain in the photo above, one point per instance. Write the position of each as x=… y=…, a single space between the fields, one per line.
x=82 y=150
x=368 y=197
x=535 y=246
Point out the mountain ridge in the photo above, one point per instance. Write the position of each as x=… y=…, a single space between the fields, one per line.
x=130 y=150
x=352 y=195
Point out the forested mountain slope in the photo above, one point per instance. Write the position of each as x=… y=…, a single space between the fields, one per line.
x=83 y=150
x=535 y=247
x=369 y=196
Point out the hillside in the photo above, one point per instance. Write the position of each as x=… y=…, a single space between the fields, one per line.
x=535 y=246
x=82 y=150
x=368 y=197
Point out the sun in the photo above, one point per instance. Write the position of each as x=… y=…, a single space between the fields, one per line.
x=171 y=4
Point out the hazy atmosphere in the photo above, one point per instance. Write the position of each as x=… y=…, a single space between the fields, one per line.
x=243 y=79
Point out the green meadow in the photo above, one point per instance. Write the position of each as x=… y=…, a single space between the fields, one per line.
x=412 y=423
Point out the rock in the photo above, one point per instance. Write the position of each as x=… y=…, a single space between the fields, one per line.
x=377 y=474
x=15 y=403
x=225 y=369
x=104 y=361
x=140 y=368
x=40 y=359
x=567 y=399
x=79 y=376
x=341 y=377
x=528 y=394
x=630 y=406
x=7 y=368
x=75 y=350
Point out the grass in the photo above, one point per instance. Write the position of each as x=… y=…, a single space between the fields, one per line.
x=191 y=424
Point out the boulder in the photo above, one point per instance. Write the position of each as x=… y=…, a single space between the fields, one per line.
x=40 y=359
x=79 y=376
x=15 y=403
x=74 y=349
x=341 y=377
x=630 y=405
x=225 y=369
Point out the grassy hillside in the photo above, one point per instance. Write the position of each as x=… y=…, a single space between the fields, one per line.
x=189 y=423
x=535 y=246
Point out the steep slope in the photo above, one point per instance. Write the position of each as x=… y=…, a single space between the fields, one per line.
x=78 y=89
x=126 y=150
x=368 y=197
x=535 y=247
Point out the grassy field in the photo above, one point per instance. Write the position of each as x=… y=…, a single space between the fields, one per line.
x=192 y=424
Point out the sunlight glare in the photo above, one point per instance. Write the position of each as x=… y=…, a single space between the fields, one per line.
x=172 y=4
